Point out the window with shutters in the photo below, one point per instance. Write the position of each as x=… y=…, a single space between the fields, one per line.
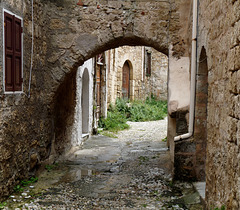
x=12 y=52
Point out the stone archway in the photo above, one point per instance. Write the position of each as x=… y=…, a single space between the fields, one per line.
x=85 y=33
x=85 y=102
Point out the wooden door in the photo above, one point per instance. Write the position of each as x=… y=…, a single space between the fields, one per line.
x=126 y=81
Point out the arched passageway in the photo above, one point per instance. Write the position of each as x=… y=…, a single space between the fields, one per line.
x=126 y=25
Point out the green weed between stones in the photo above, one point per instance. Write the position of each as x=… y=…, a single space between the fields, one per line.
x=136 y=111
x=222 y=208
x=143 y=159
x=25 y=183
x=108 y=134
x=165 y=139
x=2 y=205
x=51 y=167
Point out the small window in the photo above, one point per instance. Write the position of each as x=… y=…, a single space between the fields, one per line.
x=148 y=64
x=12 y=52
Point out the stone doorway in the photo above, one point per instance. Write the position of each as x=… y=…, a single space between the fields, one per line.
x=126 y=81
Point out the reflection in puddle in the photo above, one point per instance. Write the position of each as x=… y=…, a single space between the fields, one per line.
x=75 y=175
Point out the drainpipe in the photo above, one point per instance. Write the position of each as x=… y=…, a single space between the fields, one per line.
x=193 y=76
x=31 y=65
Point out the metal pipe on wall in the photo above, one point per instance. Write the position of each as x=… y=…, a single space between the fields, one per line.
x=193 y=75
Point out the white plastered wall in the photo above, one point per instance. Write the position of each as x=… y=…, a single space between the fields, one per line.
x=77 y=137
x=178 y=84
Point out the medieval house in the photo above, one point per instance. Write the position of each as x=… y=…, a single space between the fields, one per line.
x=136 y=72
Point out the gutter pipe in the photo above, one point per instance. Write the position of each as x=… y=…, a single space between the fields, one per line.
x=193 y=76
x=31 y=65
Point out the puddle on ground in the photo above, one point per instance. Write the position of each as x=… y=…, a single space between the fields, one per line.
x=76 y=175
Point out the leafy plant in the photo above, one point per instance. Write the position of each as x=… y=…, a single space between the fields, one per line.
x=122 y=105
x=2 y=205
x=25 y=183
x=148 y=110
x=18 y=188
x=51 y=167
x=222 y=208
x=114 y=122
x=164 y=139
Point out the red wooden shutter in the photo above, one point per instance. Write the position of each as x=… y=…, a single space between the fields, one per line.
x=13 y=53
x=17 y=55
x=9 y=50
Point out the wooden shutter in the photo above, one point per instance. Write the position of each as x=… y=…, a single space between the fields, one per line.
x=9 y=50
x=17 y=55
x=13 y=53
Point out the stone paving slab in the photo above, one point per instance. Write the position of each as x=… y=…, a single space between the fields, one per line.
x=132 y=171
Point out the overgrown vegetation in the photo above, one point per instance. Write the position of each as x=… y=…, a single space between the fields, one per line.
x=136 y=111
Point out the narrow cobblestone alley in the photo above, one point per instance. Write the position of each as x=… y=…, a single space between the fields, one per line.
x=132 y=171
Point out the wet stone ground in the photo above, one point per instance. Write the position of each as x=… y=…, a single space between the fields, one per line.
x=132 y=171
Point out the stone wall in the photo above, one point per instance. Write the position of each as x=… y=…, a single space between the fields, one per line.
x=156 y=83
x=219 y=34
x=141 y=86
x=26 y=123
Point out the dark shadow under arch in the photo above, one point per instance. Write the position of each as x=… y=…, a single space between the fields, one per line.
x=200 y=124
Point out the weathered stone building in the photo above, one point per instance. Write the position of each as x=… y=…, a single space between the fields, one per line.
x=37 y=99
x=218 y=54
x=142 y=71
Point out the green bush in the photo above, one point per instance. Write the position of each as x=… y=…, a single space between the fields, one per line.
x=114 y=122
x=148 y=110
x=137 y=111
x=122 y=106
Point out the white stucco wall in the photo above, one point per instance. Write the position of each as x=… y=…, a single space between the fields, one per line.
x=77 y=128
x=178 y=84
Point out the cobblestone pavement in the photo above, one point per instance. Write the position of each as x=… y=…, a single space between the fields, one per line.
x=132 y=171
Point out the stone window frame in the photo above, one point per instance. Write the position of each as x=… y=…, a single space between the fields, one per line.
x=3 y=61
x=148 y=63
